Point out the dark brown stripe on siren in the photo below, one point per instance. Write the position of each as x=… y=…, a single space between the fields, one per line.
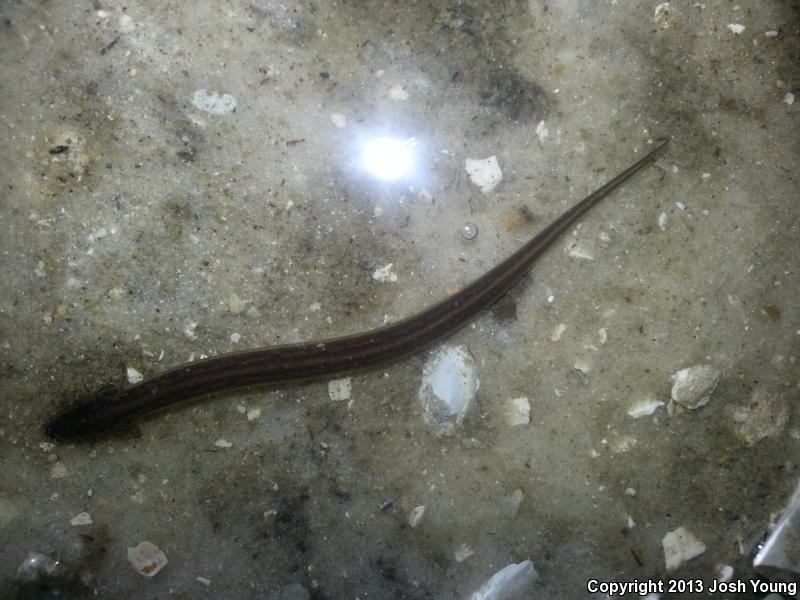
x=109 y=411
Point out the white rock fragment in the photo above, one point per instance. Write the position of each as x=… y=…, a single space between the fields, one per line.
x=736 y=28
x=448 y=389
x=223 y=443
x=253 y=413
x=680 y=546
x=557 y=332
x=484 y=173
x=340 y=389
x=509 y=507
x=680 y=205
x=789 y=98
x=662 y=221
x=338 y=119
x=518 y=412
x=211 y=102
x=462 y=553
x=644 y=408
x=204 y=580
x=83 y=518
x=147 y=559
x=398 y=93
x=513 y=581
x=415 y=516
x=693 y=386
x=134 y=376
x=385 y=274
x=542 y=132
x=772 y=33
x=236 y=338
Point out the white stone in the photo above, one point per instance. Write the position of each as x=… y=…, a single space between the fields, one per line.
x=340 y=389
x=662 y=221
x=542 y=132
x=223 y=443
x=693 y=386
x=212 y=102
x=133 y=375
x=484 y=173
x=789 y=98
x=518 y=412
x=680 y=545
x=736 y=28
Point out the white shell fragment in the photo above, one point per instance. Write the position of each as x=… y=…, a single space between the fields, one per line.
x=147 y=559
x=218 y=104
x=509 y=582
x=449 y=386
x=693 y=386
x=340 y=389
x=644 y=408
x=415 y=516
x=83 y=518
x=484 y=173
x=518 y=412
x=679 y=546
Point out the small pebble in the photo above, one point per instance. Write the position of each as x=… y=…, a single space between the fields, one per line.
x=789 y=98
x=223 y=443
x=736 y=28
